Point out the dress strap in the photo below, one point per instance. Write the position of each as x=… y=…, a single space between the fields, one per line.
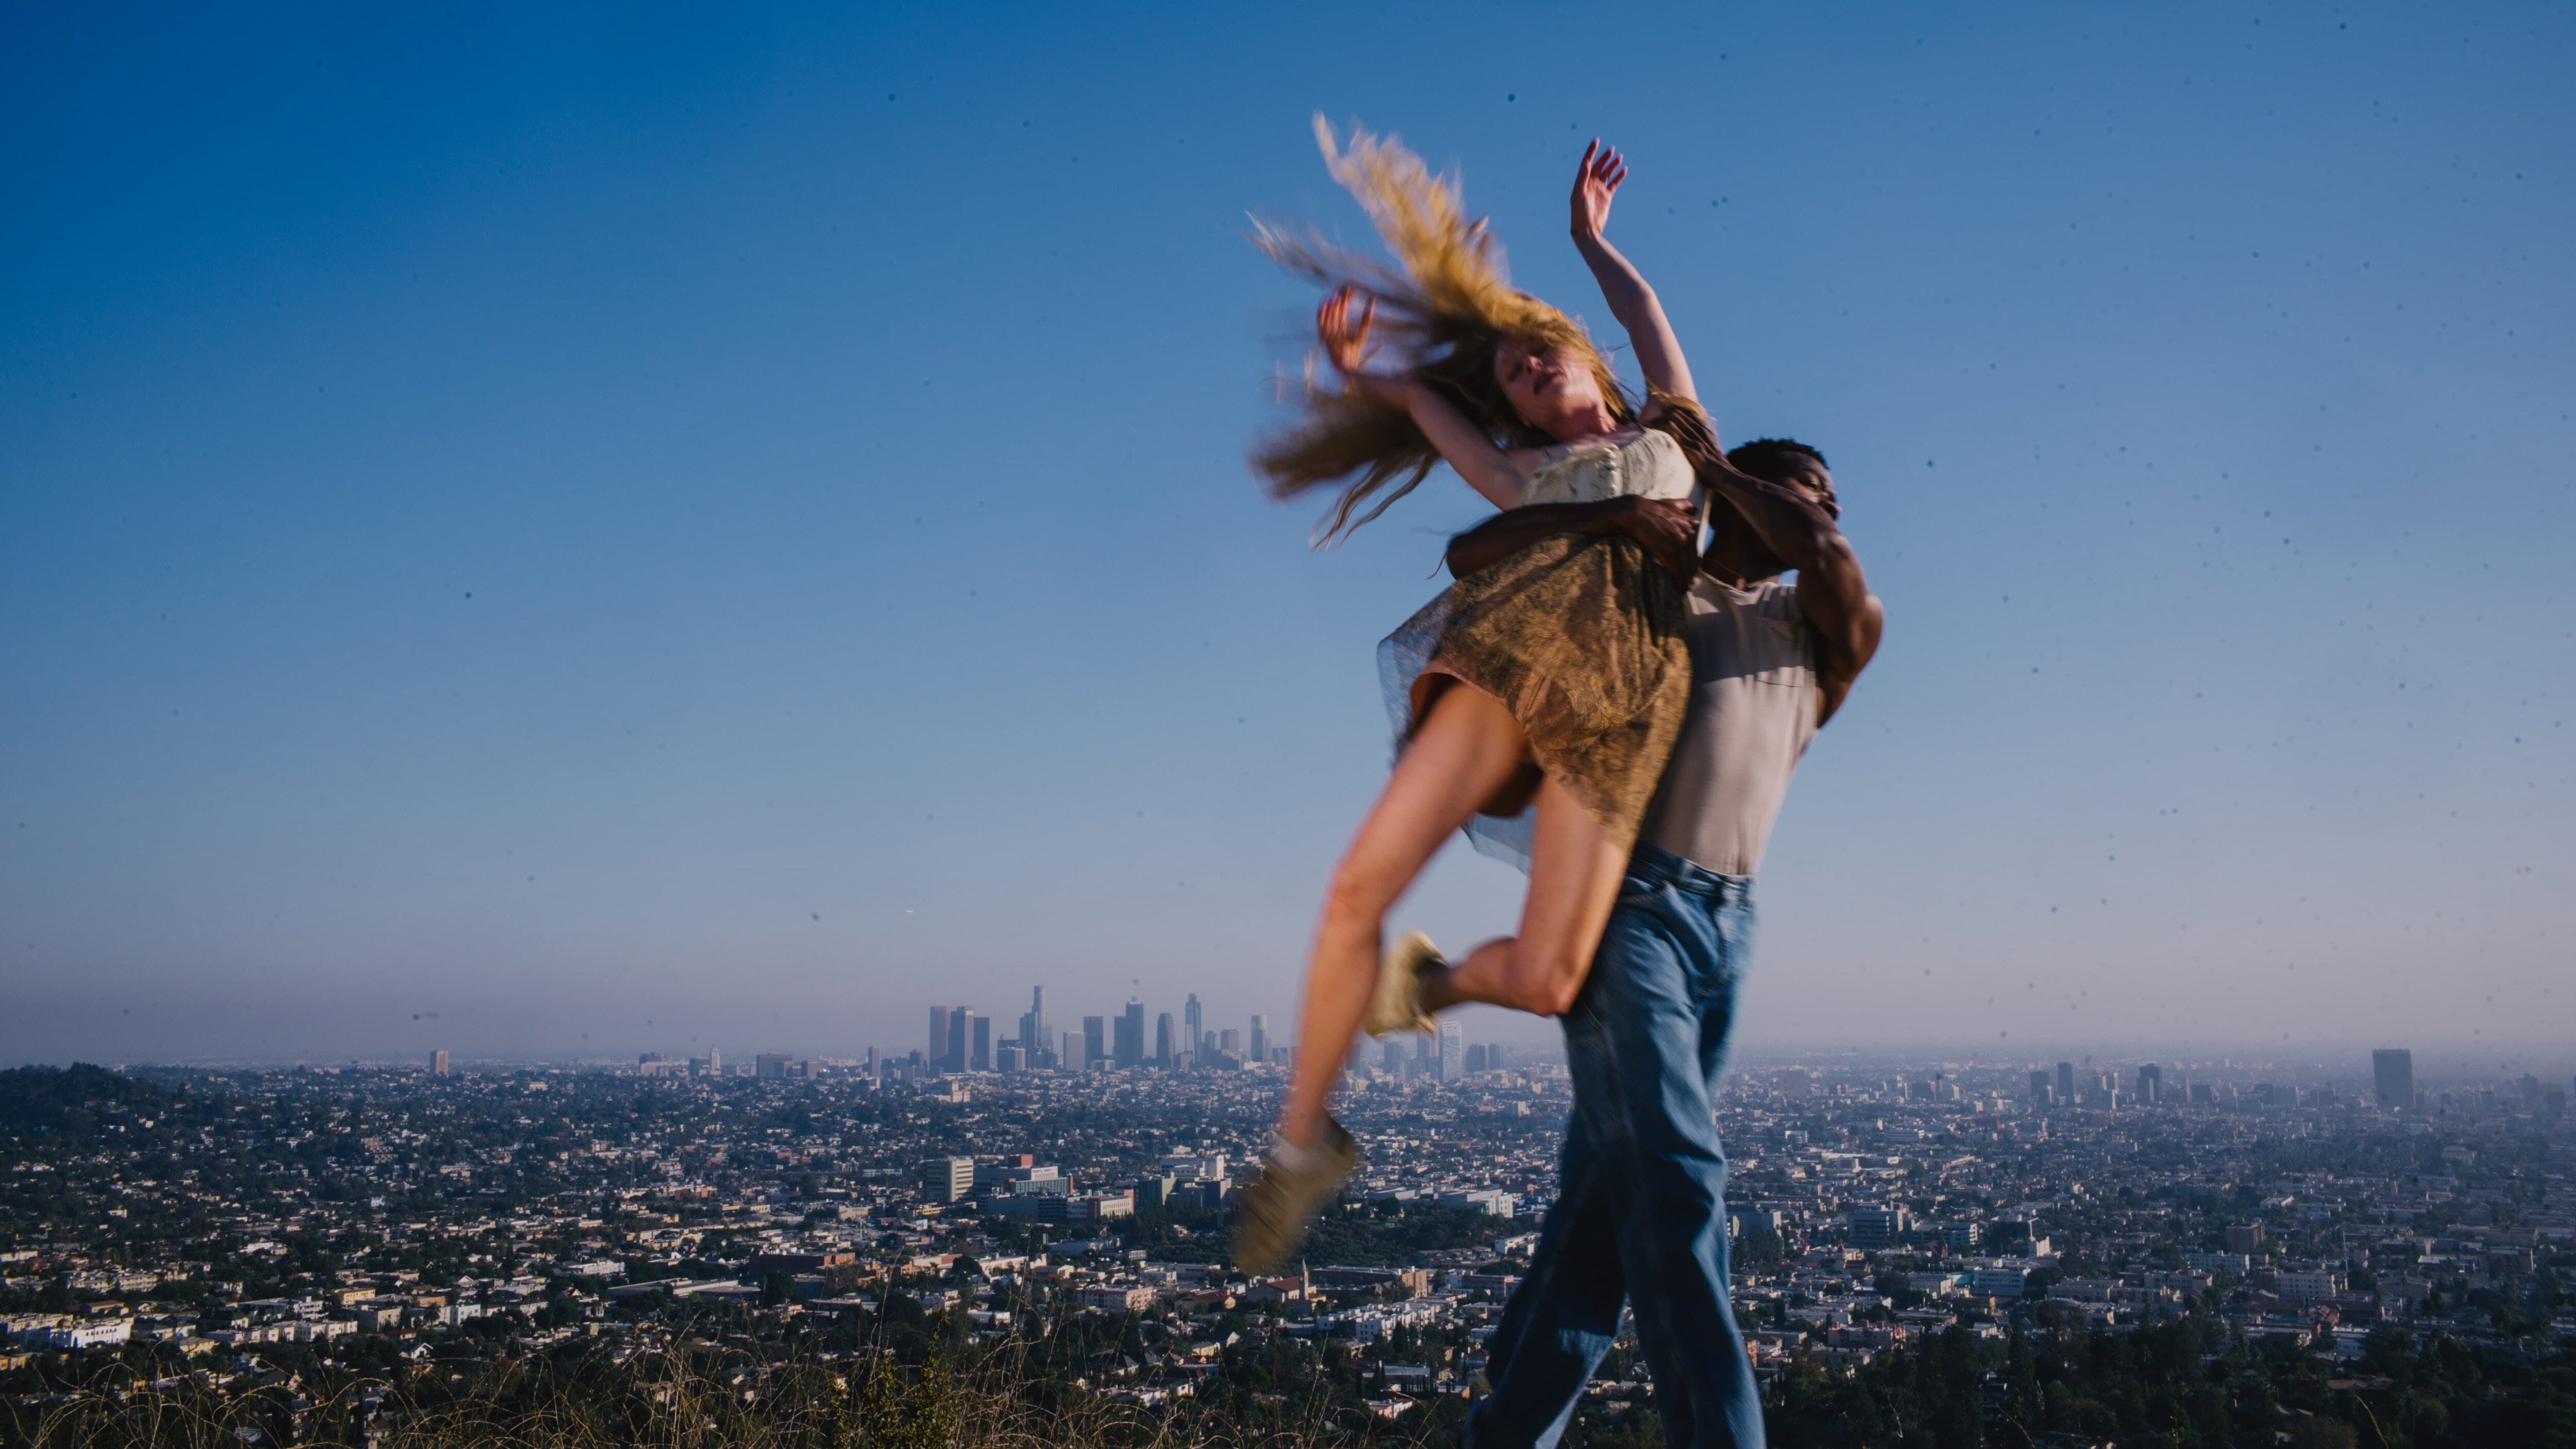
x=1686 y=423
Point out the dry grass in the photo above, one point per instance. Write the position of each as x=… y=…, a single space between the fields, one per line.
x=697 y=1397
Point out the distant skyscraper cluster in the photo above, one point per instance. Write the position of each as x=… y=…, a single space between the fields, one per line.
x=1445 y=1057
x=962 y=1040
x=2392 y=1075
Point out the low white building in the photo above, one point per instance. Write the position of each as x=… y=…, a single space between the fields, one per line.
x=1371 y=1322
x=93 y=1333
x=1117 y=1297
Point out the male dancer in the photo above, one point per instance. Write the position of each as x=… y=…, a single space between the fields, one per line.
x=1639 y=1211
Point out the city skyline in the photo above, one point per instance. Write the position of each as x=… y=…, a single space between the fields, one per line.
x=1896 y=1226
x=2383 y=1077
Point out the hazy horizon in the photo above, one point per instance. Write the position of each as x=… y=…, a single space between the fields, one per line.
x=577 y=530
x=2437 y=1065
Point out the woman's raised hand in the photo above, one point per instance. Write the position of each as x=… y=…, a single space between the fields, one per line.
x=1595 y=182
x=1345 y=341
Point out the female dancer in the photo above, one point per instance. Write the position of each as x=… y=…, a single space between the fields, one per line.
x=1553 y=673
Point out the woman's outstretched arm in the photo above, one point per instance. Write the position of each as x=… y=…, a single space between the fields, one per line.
x=1463 y=446
x=1650 y=333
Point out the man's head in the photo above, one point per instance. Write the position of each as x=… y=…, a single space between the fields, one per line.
x=1791 y=464
x=1734 y=549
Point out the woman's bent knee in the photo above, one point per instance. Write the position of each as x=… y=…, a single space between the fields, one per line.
x=1355 y=899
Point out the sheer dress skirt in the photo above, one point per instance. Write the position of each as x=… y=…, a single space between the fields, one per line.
x=1582 y=639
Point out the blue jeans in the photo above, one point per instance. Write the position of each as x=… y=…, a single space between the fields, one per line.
x=1640 y=1212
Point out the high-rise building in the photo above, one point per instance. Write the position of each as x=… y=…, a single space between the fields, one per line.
x=1034 y=1035
x=2151 y=1083
x=1875 y=1228
x=1069 y=1054
x=980 y=1037
x=1453 y=1050
x=770 y=1066
x=1095 y=1041
x=1392 y=1056
x=1230 y=1043
x=1163 y=1048
x=947 y=1179
x=1194 y=1023
x=1007 y=1057
x=438 y=1062
x=952 y=1057
x=2392 y=1075
x=1493 y=1056
x=1260 y=1039
x=1127 y=1048
x=2066 y=1082
x=2042 y=1092
x=938 y=1034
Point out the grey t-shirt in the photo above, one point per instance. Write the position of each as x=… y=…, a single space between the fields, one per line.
x=1752 y=711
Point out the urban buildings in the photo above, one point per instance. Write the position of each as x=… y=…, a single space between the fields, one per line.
x=1871 y=1203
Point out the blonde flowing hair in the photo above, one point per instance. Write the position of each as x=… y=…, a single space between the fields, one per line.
x=1448 y=307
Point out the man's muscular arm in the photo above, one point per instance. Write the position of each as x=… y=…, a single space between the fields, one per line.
x=1793 y=522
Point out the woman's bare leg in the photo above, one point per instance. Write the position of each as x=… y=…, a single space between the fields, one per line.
x=1574 y=881
x=1467 y=749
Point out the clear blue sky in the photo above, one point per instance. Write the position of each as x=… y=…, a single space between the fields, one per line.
x=549 y=530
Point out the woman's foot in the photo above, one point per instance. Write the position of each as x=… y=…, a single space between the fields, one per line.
x=1295 y=1184
x=1396 y=1004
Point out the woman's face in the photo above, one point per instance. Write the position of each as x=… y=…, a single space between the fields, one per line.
x=1550 y=387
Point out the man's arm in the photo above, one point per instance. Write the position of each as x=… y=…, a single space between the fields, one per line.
x=1832 y=592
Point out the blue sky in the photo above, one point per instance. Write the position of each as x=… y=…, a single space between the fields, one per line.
x=594 y=530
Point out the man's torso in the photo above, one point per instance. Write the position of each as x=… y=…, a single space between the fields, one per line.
x=1752 y=712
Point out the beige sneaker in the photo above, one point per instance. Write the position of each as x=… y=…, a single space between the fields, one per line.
x=1396 y=1004
x=1295 y=1184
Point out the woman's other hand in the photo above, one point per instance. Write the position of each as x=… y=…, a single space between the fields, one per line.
x=1595 y=182
x=1345 y=341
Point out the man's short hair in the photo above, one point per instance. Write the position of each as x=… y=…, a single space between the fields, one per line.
x=1773 y=459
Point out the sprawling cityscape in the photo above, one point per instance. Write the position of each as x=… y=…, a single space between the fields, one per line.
x=1925 y=1251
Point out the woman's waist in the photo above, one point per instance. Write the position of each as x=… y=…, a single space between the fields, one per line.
x=1666 y=528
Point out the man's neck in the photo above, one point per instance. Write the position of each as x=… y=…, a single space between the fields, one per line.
x=1738 y=574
